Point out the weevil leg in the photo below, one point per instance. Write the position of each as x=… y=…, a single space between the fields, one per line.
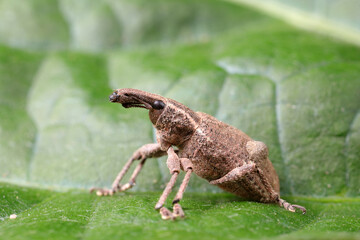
x=291 y=207
x=236 y=174
x=273 y=196
x=173 y=163
x=132 y=180
x=259 y=185
x=188 y=168
x=257 y=150
x=164 y=212
x=144 y=152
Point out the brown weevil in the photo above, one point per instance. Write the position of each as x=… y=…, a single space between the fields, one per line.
x=197 y=142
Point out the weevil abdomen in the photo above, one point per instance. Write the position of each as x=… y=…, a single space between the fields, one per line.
x=217 y=148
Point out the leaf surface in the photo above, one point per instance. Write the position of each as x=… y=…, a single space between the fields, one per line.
x=76 y=214
x=59 y=60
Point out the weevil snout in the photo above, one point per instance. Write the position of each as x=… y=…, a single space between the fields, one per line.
x=113 y=97
x=129 y=98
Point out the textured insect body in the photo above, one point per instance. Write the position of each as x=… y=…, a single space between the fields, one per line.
x=216 y=149
x=213 y=150
x=176 y=124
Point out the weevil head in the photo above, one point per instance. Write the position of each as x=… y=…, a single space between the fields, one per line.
x=134 y=98
x=174 y=122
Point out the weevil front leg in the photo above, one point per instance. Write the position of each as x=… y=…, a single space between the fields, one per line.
x=144 y=152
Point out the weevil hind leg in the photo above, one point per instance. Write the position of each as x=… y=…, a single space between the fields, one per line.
x=236 y=174
x=250 y=182
x=269 y=195
x=257 y=151
x=291 y=207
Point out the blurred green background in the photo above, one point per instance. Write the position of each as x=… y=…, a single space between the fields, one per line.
x=295 y=90
x=342 y=12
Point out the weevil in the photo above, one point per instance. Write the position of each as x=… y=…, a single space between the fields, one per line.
x=196 y=142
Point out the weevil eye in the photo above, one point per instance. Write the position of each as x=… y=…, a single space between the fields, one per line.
x=158 y=104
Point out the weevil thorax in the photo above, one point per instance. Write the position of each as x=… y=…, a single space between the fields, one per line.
x=176 y=123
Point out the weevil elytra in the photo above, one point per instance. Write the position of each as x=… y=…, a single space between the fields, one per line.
x=213 y=150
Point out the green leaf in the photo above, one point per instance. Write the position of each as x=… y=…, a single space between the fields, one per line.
x=59 y=60
x=79 y=215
